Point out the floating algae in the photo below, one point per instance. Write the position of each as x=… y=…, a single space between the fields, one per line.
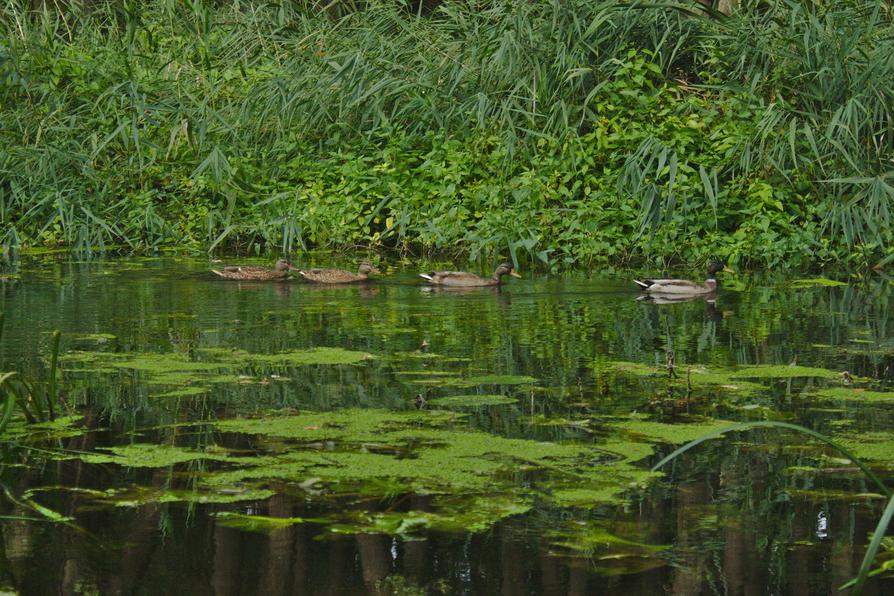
x=179 y=370
x=855 y=394
x=471 y=401
x=141 y=455
x=816 y=282
x=471 y=476
x=675 y=434
x=255 y=523
x=782 y=371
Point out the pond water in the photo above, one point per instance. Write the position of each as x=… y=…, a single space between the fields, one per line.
x=282 y=438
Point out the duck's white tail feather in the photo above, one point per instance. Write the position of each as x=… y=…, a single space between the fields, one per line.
x=425 y=276
x=642 y=284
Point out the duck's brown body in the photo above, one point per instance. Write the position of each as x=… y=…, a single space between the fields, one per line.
x=463 y=279
x=339 y=276
x=281 y=271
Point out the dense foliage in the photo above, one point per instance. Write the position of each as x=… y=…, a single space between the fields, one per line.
x=572 y=132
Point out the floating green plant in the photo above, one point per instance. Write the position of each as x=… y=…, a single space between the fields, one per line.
x=99 y=338
x=855 y=394
x=189 y=391
x=875 y=446
x=147 y=456
x=175 y=369
x=471 y=475
x=495 y=380
x=449 y=514
x=255 y=523
x=669 y=433
x=471 y=401
x=816 y=282
x=608 y=553
x=782 y=371
x=698 y=377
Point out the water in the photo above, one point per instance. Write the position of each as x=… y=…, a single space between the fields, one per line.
x=762 y=512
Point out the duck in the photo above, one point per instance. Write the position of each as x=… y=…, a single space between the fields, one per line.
x=279 y=271
x=685 y=287
x=464 y=279
x=339 y=276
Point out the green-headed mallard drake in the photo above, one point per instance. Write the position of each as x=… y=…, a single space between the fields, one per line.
x=339 y=276
x=280 y=271
x=464 y=279
x=684 y=287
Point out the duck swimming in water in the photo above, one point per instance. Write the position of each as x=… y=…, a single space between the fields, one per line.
x=685 y=287
x=468 y=280
x=280 y=271
x=339 y=276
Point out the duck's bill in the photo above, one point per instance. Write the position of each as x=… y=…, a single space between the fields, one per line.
x=374 y=270
x=514 y=274
x=728 y=270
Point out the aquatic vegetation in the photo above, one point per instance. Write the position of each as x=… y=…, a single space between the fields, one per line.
x=701 y=378
x=99 y=338
x=471 y=401
x=816 y=281
x=874 y=446
x=34 y=401
x=189 y=391
x=192 y=376
x=611 y=554
x=855 y=394
x=846 y=448
x=147 y=456
x=674 y=434
x=782 y=371
x=494 y=380
x=448 y=514
x=321 y=355
x=469 y=473
x=474 y=381
x=255 y=523
x=61 y=428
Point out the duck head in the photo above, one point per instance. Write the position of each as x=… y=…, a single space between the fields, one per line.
x=366 y=268
x=505 y=268
x=284 y=265
x=715 y=266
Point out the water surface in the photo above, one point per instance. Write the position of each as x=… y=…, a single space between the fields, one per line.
x=478 y=441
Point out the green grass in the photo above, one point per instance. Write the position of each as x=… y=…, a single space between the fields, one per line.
x=563 y=133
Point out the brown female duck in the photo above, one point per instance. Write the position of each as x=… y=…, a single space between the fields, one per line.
x=339 y=276
x=467 y=280
x=280 y=271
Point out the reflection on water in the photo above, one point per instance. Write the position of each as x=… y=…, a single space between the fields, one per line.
x=738 y=516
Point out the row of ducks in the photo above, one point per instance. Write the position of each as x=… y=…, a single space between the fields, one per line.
x=340 y=276
x=665 y=287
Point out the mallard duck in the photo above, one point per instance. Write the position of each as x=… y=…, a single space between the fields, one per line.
x=339 y=276
x=279 y=271
x=461 y=278
x=684 y=287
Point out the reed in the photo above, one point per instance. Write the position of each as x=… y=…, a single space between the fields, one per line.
x=570 y=132
x=34 y=403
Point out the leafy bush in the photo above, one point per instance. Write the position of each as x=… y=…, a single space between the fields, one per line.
x=565 y=133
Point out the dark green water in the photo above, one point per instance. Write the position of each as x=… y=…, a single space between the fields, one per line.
x=734 y=516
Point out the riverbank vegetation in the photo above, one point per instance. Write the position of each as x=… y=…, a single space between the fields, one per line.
x=565 y=133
